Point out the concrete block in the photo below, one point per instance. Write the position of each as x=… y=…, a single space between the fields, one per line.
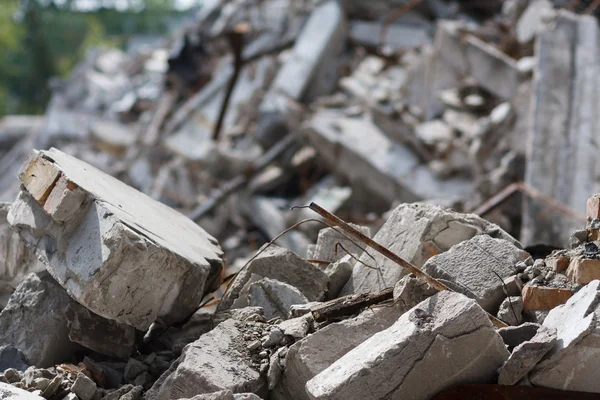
x=35 y=323
x=572 y=364
x=583 y=270
x=121 y=254
x=219 y=360
x=417 y=232
x=526 y=355
x=473 y=265
x=563 y=121
x=444 y=341
x=511 y=310
x=84 y=387
x=331 y=244
x=543 y=297
x=279 y=264
x=359 y=151
x=339 y=273
x=313 y=354
x=274 y=297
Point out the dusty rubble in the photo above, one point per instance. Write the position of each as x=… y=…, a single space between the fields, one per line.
x=154 y=242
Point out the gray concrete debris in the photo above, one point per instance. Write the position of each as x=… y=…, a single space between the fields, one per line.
x=275 y=368
x=577 y=337
x=9 y=392
x=563 y=119
x=447 y=336
x=108 y=230
x=216 y=361
x=133 y=369
x=298 y=327
x=225 y=395
x=18 y=258
x=84 y=387
x=11 y=357
x=310 y=70
x=279 y=264
x=472 y=266
x=410 y=291
x=102 y=335
x=356 y=149
x=308 y=357
x=34 y=321
x=531 y=22
x=332 y=245
x=511 y=310
x=416 y=232
x=526 y=355
x=338 y=272
x=274 y=297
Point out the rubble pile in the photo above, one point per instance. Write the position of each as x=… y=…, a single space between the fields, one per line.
x=174 y=227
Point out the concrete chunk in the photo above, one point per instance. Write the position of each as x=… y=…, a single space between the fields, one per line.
x=473 y=265
x=526 y=355
x=9 y=392
x=312 y=355
x=332 y=245
x=572 y=364
x=417 y=232
x=219 y=360
x=511 y=310
x=121 y=254
x=35 y=323
x=446 y=340
x=560 y=162
x=279 y=264
x=359 y=151
x=274 y=297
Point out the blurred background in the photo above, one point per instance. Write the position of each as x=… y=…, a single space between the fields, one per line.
x=41 y=39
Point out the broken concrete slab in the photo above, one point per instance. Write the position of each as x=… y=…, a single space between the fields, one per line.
x=121 y=254
x=99 y=334
x=359 y=151
x=560 y=163
x=312 y=355
x=18 y=258
x=416 y=232
x=570 y=364
x=9 y=392
x=478 y=266
x=275 y=297
x=219 y=360
x=34 y=322
x=279 y=264
x=526 y=355
x=448 y=336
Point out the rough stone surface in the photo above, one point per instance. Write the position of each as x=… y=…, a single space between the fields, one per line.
x=18 y=259
x=9 y=392
x=35 y=323
x=134 y=368
x=219 y=360
x=473 y=265
x=274 y=297
x=563 y=119
x=447 y=338
x=526 y=355
x=11 y=357
x=338 y=272
x=122 y=255
x=410 y=291
x=511 y=310
x=99 y=334
x=279 y=264
x=310 y=356
x=84 y=387
x=416 y=232
x=572 y=364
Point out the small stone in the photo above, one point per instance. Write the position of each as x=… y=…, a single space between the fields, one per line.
x=84 y=387
x=263 y=354
x=134 y=368
x=511 y=310
x=52 y=387
x=274 y=338
x=144 y=379
x=11 y=357
x=254 y=345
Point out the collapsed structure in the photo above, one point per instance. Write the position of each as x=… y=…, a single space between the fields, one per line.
x=137 y=259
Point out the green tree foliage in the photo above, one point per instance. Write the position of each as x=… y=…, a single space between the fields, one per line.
x=40 y=39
